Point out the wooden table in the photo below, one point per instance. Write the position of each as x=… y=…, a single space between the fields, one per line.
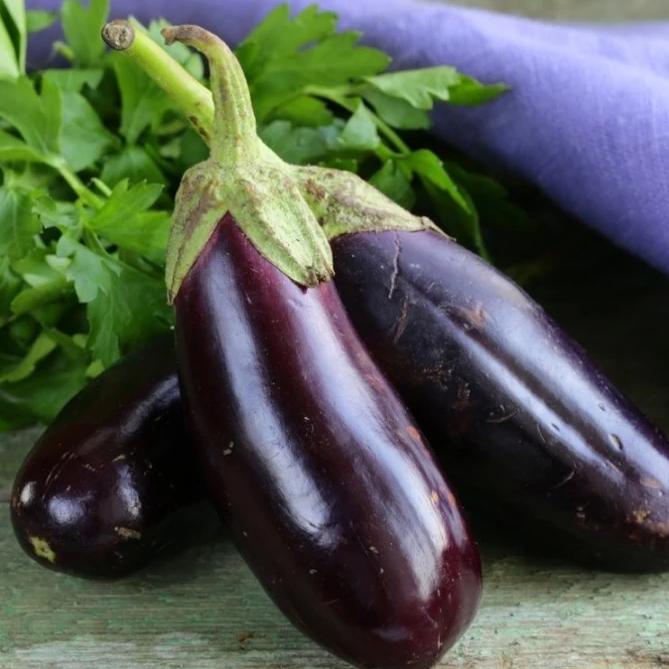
x=579 y=10
x=201 y=609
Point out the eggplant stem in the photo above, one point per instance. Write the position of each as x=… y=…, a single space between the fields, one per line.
x=234 y=140
x=194 y=100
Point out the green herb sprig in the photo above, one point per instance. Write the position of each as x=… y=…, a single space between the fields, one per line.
x=91 y=155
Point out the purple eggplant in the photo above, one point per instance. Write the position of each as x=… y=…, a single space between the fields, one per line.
x=521 y=417
x=317 y=469
x=102 y=489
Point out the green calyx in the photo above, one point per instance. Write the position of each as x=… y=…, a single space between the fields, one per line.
x=240 y=177
x=345 y=203
x=288 y=212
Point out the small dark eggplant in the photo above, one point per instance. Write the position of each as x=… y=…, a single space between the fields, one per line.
x=313 y=462
x=99 y=493
x=521 y=416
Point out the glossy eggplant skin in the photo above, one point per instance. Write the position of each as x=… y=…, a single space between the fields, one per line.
x=318 y=471
x=98 y=494
x=518 y=413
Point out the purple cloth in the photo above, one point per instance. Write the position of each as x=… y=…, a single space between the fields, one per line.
x=587 y=119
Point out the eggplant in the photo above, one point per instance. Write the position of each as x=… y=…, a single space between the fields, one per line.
x=102 y=490
x=520 y=415
x=323 y=480
x=320 y=474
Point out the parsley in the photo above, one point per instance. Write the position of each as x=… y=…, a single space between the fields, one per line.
x=91 y=155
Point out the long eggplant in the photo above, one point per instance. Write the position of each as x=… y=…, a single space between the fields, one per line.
x=519 y=413
x=321 y=476
x=319 y=472
x=102 y=489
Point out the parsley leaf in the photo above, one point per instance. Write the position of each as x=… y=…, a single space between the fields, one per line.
x=393 y=181
x=397 y=112
x=428 y=165
x=37 y=117
x=421 y=88
x=12 y=38
x=360 y=133
x=83 y=138
x=417 y=87
x=40 y=349
x=125 y=221
x=295 y=144
x=285 y=55
x=132 y=163
x=39 y=397
x=39 y=19
x=123 y=305
x=73 y=80
x=91 y=156
x=82 y=26
x=19 y=225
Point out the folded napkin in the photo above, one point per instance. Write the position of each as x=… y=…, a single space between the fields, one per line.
x=587 y=119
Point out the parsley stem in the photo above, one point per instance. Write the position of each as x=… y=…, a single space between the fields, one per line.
x=102 y=186
x=75 y=183
x=399 y=143
x=93 y=242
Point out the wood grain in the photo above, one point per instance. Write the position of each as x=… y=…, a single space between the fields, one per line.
x=203 y=609
x=578 y=10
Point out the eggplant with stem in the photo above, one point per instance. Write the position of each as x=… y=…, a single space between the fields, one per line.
x=318 y=470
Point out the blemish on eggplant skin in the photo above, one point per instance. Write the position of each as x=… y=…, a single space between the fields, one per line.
x=413 y=433
x=652 y=483
x=476 y=316
x=42 y=549
x=400 y=324
x=565 y=480
x=128 y=533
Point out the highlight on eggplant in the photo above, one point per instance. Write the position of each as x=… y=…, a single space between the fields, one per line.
x=319 y=472
x=101 y=492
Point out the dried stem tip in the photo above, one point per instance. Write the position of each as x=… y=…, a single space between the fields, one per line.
x=188 y=34
x=118 y=34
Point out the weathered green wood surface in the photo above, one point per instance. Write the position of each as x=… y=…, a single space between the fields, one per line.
x=201 y=609
x=579 y=10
